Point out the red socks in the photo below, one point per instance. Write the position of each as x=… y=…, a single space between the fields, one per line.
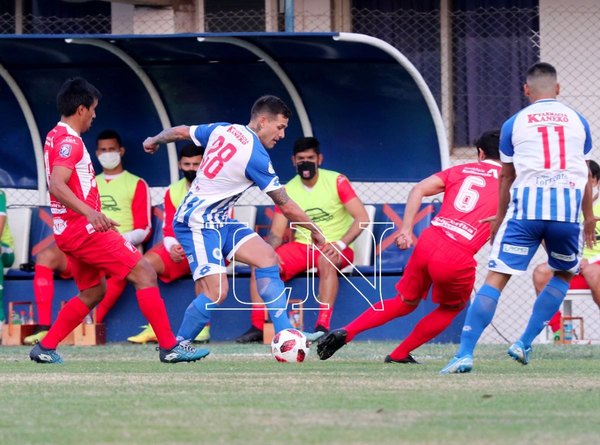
x=114 y=289
x=43 y=289
x=257 y=316
x=324 y=317
x=371 y=318
x=554 y=322
x=429 y=327
x=69 y=317
x=153 y=308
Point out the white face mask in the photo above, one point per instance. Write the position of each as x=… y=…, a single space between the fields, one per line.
x=110 y=159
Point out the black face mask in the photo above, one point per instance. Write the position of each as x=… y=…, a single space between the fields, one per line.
x=307 y=169
x=190 y=175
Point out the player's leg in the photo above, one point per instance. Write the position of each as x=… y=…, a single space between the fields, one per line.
x=564 y=242
x=591 y=274
x=254 y=334
x=541 y=276
x=7 y=258
x=329 y=286
x=114 y=289
x=452 y=271
x=47 y=261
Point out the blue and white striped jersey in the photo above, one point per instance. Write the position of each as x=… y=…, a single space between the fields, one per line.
x=548 y=143
x=234 y=161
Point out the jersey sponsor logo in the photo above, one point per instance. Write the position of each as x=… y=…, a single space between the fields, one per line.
x=459 y=227
x=561 y=257
x=69 y=140
x=238 y=135
x=59 y=226
x=109 y=204
x=217 y=254
x=190 y=259
x=515 y=250
x=90 y=229
x=559 y=178
x=535 y=118
x=318 y=215
x=56 y=208
x=65 y=150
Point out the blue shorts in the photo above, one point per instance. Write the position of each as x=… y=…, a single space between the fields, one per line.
x=207 y=245
x=517 y=241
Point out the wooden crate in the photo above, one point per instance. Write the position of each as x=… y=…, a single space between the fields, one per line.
x=269 y=330
x=90 y=334
x=14 y=334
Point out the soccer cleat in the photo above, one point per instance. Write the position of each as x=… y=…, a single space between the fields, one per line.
x=146 y=336
x=458 y=365
x=204 y=335
x=252 y=335
x=519 y=352
x=409 y=359
x=35 y=338
x=41 y=355
x=331 y=343
x=183 y=352
x=321 y=328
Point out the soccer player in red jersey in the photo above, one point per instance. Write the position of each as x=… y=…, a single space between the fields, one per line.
x=443 y=257
x=88 y=237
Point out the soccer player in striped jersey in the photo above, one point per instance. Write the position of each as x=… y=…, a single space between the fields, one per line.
x=235 y=159
x=544 y=187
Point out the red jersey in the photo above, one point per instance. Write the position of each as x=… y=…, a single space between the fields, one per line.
x=471 y=194
x=65 y=147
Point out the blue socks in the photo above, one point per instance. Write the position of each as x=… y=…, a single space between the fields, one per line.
x=479 y=315
x=194 y=319
x=545 y=306
x=272 y=291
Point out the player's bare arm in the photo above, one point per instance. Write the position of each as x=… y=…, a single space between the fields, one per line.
x=507 y=177
x=589 y=219
x=179 y=133
x=427 y=187
x=277 y=230
x=57 y=186
x=295 y=214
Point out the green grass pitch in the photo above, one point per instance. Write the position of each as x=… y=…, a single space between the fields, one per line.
x=122 y=394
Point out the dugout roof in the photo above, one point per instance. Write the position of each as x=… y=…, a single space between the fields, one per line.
x=367 y=104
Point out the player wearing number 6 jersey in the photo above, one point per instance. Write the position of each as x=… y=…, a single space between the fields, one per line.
x=443 y=257
x=544 y=186
x=235 y=159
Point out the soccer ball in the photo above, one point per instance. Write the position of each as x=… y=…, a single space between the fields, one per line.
x=289 y=345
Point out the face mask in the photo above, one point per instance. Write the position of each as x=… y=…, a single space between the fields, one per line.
x=110 y=159
x=189 y=175
x=306 y=169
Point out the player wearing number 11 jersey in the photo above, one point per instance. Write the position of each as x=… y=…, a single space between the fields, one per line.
x=235 y=159
x=543 y=188
x=443 y=257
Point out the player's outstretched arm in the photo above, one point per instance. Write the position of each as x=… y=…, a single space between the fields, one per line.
x=179 y=133
x=295 y=214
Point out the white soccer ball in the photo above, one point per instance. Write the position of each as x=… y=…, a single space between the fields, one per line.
x=289 y=345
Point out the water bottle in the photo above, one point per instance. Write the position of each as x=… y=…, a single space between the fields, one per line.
x=568 y=333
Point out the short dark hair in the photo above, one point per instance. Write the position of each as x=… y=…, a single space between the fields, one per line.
x=541 y=69
x=270 y=104
x=191 y=150
x=594 y=169
x=307 y=143
x=73 y=93
x=489 y=143
x=109 y=134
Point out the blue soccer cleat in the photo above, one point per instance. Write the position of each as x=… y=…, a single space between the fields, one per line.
x=41 y=355
x=459 y=365
x=519 y=352
x=313 y=336
x=183 y=352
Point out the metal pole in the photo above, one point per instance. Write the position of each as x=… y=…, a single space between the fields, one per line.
x=18 y=16
x=289 y=15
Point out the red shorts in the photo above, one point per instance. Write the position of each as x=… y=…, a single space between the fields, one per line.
x=173 y=270
x=100 y=254
x=578 y=282
x=293 y=257
x=438 y=262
